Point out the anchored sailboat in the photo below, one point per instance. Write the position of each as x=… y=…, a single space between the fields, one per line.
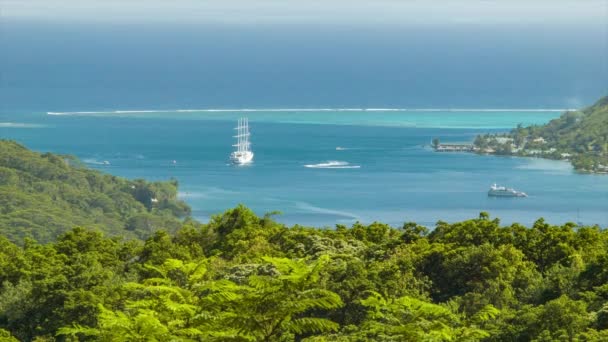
x=242 y=154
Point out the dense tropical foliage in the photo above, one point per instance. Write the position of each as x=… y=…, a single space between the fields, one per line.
x=579 y=136
x=245 y=278
x=44 y=195
x=241 y=277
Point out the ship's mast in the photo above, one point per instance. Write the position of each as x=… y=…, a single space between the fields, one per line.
x=243 y=138
x=238 y=134
x=241 y=129
x=246 y=133
x=242 y=135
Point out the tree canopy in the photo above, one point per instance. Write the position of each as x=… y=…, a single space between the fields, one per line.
x=45 y=195
x=241 y=277
x=578 y=136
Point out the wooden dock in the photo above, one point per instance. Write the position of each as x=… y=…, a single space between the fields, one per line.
x=454 y=148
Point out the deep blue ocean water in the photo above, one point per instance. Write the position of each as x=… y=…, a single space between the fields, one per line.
x=391 y=175
x=78 y=65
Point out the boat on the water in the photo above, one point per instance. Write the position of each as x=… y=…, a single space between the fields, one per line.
x=502 y=191
x=243 y=154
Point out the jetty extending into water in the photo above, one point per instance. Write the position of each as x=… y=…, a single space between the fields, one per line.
x=453 y=148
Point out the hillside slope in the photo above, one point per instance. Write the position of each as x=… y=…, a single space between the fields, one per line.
x=579 y=136
x=44 y=195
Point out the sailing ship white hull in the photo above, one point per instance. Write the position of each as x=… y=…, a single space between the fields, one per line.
x=241 y=158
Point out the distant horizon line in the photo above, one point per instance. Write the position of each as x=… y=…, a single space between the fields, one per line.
x=227 y=110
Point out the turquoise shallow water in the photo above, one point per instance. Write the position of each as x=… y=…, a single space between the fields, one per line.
x=384 y=170
x=419 y=118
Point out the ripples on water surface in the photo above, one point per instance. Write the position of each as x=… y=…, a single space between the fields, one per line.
x=325 y=167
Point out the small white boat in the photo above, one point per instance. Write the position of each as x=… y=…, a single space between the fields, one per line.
x=502 y=191
x=243 y=154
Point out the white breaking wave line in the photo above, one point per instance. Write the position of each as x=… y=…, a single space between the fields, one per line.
x=282 y=110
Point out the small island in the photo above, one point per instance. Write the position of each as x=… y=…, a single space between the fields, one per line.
x=580 y=137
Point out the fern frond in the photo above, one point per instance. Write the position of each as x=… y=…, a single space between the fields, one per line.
x=77 y=329
x=156 y=281
x=264 y=283
x=172 y=264
x=487 y=313
x=190 y=332
x=140 y=304
x=311 y=324
x=317 y=298
x=180 y=308
x=156 y=269
x=374 y=300
x=221 y=297
x=196 y=271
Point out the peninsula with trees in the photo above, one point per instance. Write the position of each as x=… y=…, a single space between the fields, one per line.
x=580 y=137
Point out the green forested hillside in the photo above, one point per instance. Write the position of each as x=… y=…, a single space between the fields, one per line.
x=582 y=131
x=245 y=278
x=45 y=195
x=580 y=136
x=241 y=277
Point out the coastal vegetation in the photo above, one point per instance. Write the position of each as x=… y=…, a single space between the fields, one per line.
x=44 y=195
x=578 y=136
x=92 y=277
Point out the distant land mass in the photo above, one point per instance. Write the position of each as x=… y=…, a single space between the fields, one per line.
x=578 y=136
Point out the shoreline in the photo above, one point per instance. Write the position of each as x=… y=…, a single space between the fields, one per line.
x=471 y=148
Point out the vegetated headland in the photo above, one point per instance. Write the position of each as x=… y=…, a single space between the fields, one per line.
x=580 y=137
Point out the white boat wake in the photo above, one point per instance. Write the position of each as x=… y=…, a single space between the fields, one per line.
x=93 y=161
x=307 y=207
x=333 y=164
x=19 y=125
